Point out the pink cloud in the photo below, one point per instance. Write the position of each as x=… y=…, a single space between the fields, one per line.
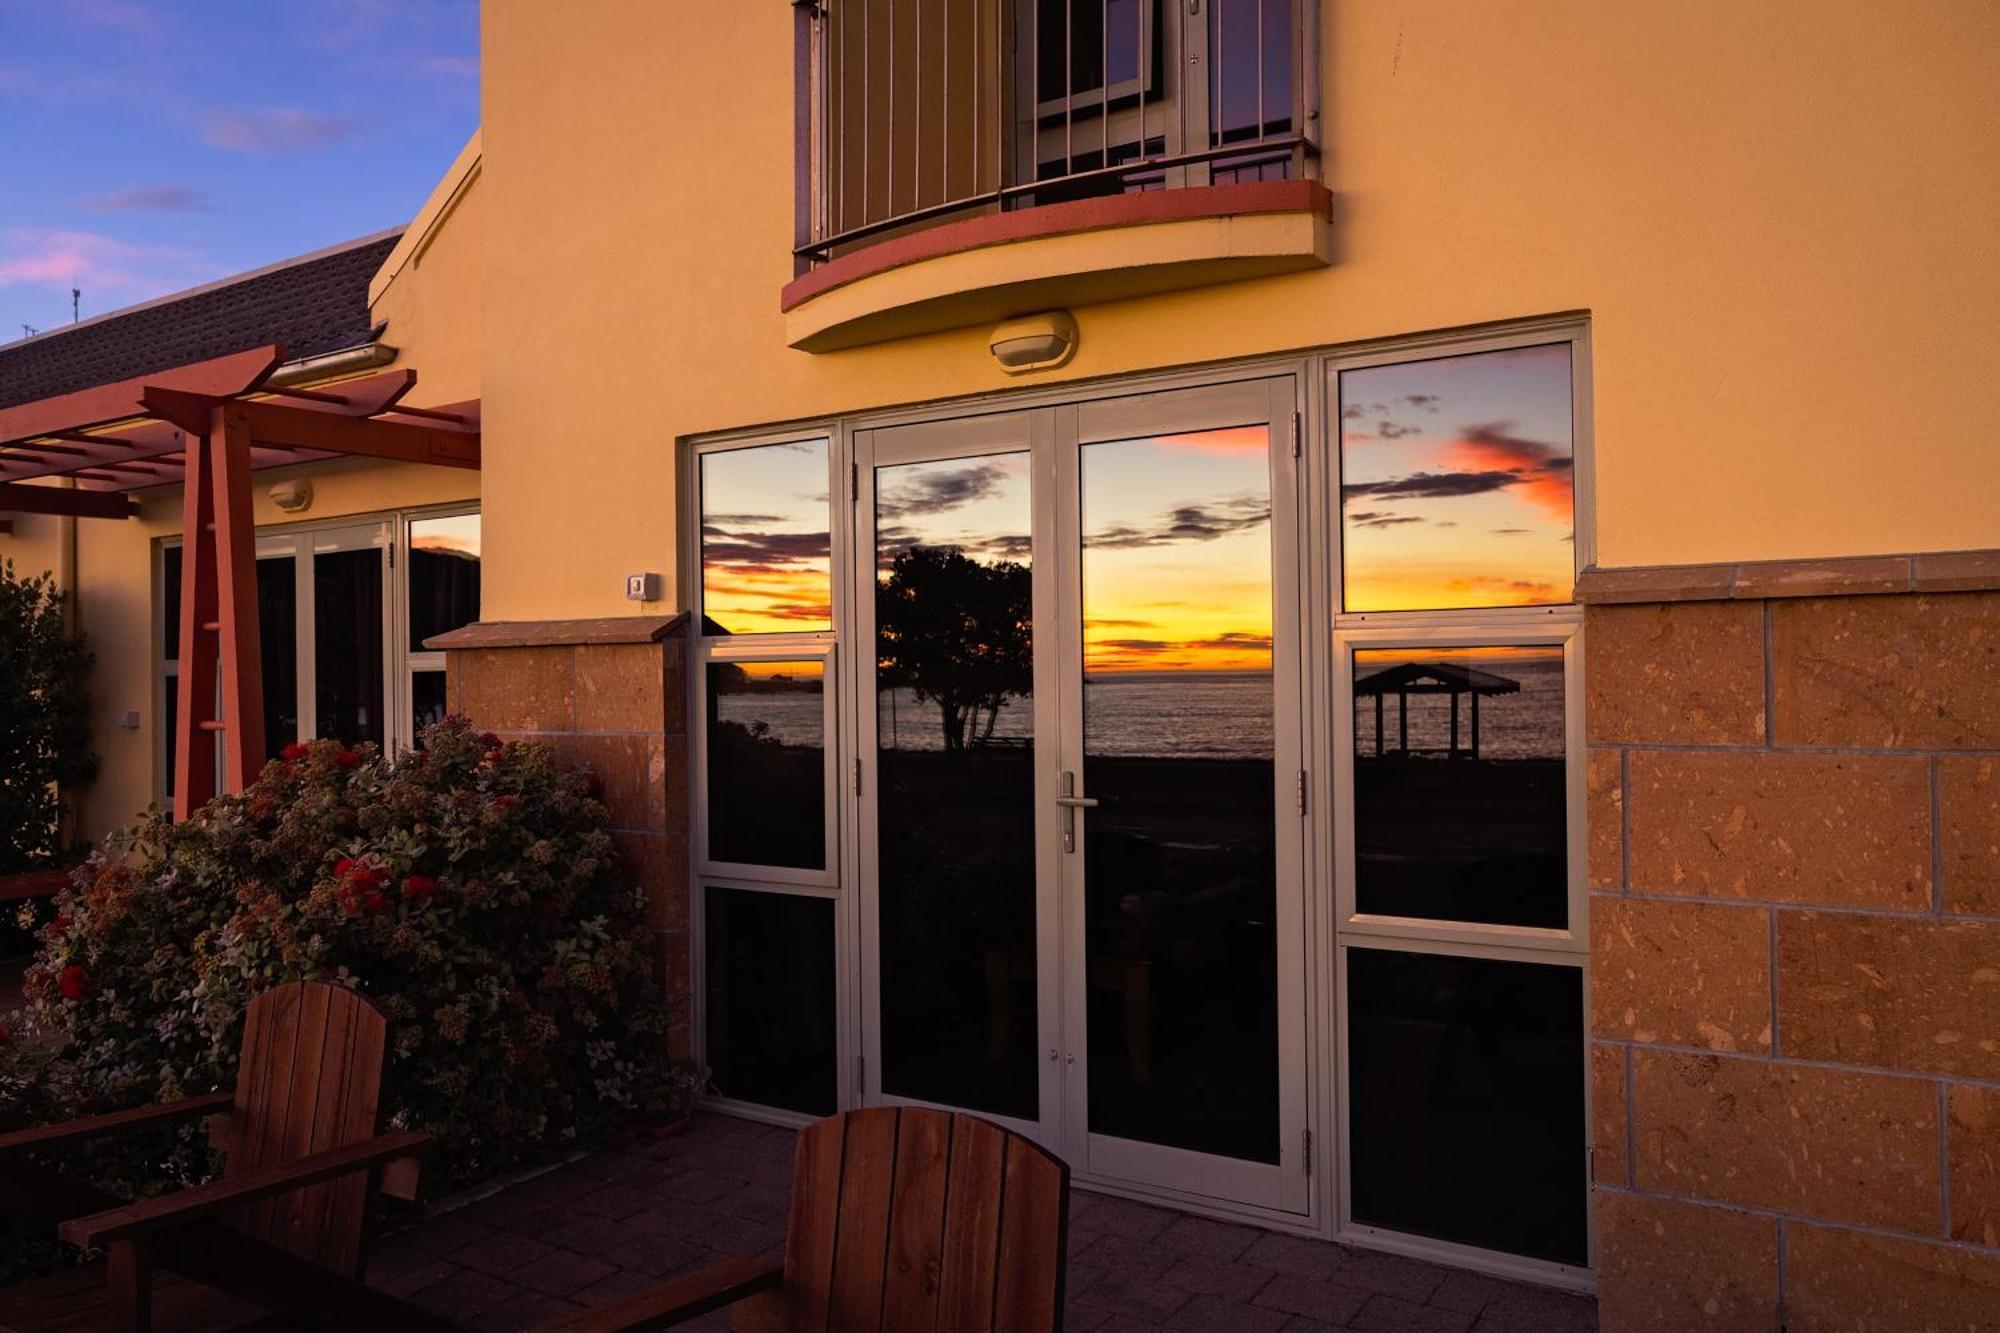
x=273 y=130
x=84 y=259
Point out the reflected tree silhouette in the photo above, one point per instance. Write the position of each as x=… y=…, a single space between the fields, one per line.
x=956 y=633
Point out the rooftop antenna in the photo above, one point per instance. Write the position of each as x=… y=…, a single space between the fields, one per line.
x=75 y=304
x=29 y=330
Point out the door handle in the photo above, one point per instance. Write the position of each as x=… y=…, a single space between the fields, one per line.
x=1070 y=803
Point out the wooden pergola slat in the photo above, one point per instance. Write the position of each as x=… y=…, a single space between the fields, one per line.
x=61 y=501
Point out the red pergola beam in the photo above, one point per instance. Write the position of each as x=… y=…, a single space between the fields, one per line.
x=279 y=425
x=223 y=376
x=19 y=499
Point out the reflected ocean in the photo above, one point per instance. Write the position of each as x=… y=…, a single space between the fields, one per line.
x=1199 y=714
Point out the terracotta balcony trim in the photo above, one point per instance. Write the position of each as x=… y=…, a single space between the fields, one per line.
x=1119 y=210
x=558 y=633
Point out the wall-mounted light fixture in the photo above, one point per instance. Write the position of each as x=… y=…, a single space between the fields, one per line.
x=1034 y=342
x=294 y=496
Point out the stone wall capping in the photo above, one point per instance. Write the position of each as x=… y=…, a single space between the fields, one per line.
x=559 y=633
x=1844 y=576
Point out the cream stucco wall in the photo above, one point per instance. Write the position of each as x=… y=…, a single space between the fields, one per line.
x=1780 y=217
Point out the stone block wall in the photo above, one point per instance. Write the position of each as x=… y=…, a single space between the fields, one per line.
x=610 y=696
x=1794 y=793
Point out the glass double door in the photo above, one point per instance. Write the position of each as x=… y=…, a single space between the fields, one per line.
x=323 y=596
x=1080 y=832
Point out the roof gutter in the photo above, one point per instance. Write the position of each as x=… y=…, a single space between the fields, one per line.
x=326 y=365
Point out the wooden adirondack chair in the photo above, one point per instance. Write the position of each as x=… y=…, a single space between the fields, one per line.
x=284 y=1231
x=903 y=1219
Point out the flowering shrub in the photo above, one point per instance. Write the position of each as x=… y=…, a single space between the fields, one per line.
x=469 y=889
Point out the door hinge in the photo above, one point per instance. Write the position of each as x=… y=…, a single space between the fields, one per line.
x=1307 y=1137
x=857 y=777
x=854 y=481
x=1299 y=793
x=392 y=555
x=1298 y=432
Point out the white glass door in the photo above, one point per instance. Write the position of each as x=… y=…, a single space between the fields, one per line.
x=1080 y=842
x=954 y=601
x=1179 y=793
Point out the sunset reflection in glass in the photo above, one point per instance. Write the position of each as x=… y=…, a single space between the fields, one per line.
x=765 y=566
x=1456 y=481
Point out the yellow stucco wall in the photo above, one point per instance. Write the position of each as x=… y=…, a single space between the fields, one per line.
x=1779 y=215
x=428 y=289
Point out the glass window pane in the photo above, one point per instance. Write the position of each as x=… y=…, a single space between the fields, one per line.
x=427 y=705
x=347 y=644
x=766 y=763
x=170 y=714
x=444 y=575
x=170 y=601
x=1180 y=908
x=956 y=818
x=1460 y=805
x=278 y=632
x=765 y=567
x=769 y=985
x=1455 y=481
x=1466 y=1085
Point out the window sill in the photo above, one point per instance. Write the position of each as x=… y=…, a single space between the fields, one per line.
x=989 y=268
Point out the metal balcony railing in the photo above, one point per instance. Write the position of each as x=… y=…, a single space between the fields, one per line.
x=915 y=111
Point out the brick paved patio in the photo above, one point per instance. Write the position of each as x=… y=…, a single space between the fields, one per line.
x=615 y=1222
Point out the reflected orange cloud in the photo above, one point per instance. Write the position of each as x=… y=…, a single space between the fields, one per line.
x=1222 y=442
x=1490 y=448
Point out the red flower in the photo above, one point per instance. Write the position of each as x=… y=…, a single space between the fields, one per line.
x=347 y=759
x=419 y=886
x=73 y=982
x=296 y=750
x=506 y=802
x=489 y=740
x=6 y=1036
x=342 y=866
x=375 y=902
x=364 y=880
x=61 y=924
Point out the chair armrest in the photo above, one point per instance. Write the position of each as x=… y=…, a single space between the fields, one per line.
x=171 y=1210
x=683 y=1298
x=68 y=1131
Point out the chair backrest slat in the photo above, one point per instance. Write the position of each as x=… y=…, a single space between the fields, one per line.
x=310 y=1080
x=910 y=1220
x=972 y=1225
x=861 y=1248
x=916 y=1238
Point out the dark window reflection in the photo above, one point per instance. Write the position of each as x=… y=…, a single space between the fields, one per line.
x=427 y=700
x=347 y=644
x=1180 y=905
x=170 y=715
x=444 y=575
x=1460 y=808
x=766 y=764
x=956 y=832
x=770 y=999
x=1466 y=1078
x=1250 y=69
x=765 y=562
x=278 y=631
x=170 y=600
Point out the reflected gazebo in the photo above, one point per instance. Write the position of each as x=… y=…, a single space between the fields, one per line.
x=1431 y=678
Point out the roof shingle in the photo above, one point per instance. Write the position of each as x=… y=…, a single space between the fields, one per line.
x=316 y=303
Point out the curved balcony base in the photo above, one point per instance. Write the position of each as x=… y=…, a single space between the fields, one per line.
x=986 y=269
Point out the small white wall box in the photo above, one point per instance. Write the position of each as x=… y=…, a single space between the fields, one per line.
x=642 y=587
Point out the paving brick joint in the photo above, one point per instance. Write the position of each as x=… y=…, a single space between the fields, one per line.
x=613 y=1223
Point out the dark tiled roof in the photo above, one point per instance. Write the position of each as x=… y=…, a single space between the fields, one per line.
x=316 y=303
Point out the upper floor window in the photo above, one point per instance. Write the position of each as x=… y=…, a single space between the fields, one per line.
x=918 y=110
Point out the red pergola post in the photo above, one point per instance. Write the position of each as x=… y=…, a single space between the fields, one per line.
x=220 y=649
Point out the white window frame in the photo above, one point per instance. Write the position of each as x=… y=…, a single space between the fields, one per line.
x=415 y=658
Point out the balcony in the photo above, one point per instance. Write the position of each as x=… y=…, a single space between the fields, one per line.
x=958 y=159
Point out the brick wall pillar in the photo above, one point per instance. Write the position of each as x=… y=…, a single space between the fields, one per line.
x=608 y=695
x=1795 y=944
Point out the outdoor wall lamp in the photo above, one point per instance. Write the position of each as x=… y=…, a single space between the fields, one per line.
x=1034 y=342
